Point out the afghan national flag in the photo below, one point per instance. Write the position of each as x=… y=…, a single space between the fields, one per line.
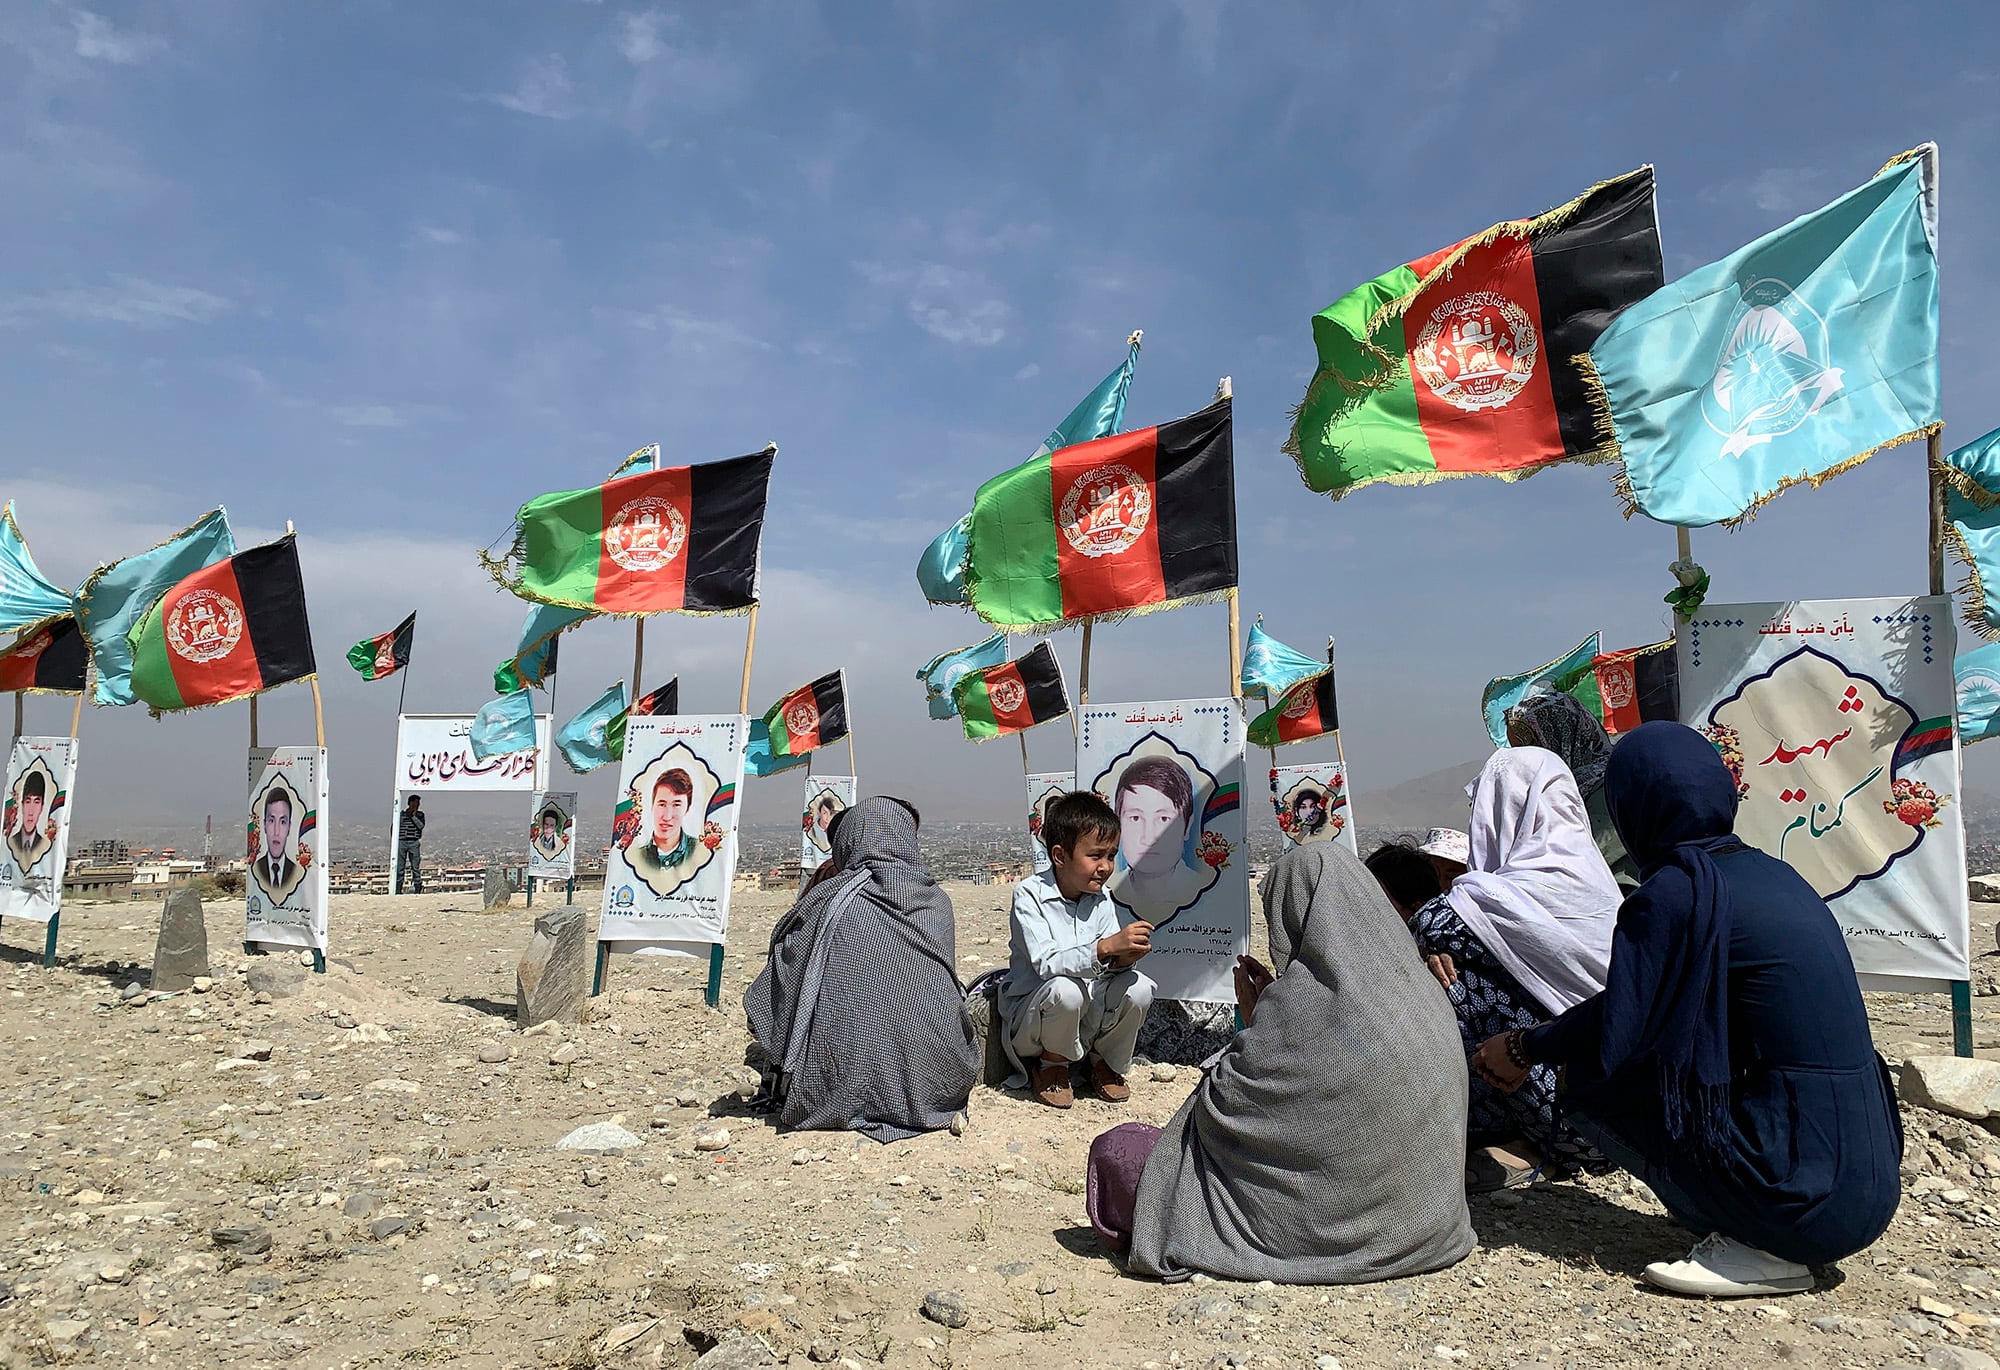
x=1304 y=711
x=1136 y=521
x=665 y=700
x=681 y=540
x=226 y=632
x=49 y=659
x=1463 y=362
x=1926 y=737
x=387 y=653
x=809 y=717
x=1011 y=697
x=1637 y=685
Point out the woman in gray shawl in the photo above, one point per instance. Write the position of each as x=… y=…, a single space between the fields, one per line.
x=858 y=1006
x=1327 y=1144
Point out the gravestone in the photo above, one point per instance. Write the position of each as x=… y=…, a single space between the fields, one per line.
x=181 y=953
x=498 y=893
x=553 y=978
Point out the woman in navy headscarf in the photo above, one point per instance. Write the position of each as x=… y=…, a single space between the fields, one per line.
x=1727 y=1062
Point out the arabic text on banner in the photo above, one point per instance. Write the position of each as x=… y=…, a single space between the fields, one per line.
x=1835 y=716
x=434 y=752
x=673 y=831
x=1173 y=771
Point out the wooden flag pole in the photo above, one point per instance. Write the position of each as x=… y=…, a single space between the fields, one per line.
x=1022 y=738
x=1083 y=675
x=638 y=658
x=76 y=715
x=749 y=651
x=1235 y=646
x=319 y=715
x=850 y=752
x=253 y=723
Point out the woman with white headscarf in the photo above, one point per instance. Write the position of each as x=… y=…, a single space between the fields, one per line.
x=1525 y=933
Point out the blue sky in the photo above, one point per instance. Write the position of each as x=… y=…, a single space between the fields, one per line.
x=388 y=270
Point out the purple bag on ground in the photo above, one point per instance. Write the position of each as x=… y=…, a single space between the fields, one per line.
x=1117 y=1160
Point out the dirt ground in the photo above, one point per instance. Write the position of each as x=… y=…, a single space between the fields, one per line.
x=349 y=1178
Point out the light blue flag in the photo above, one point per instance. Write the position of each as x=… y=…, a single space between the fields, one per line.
x=1508 y=690
x=1270 y=667
x=940 y=673
x=1972 y=475
x=645 y=459
x=941 y=569
x=27 y=598
x=1978 y=673
x=505 y=725
x=759 y=759
x=534 y=659
x=1784 y=363
x=118 y=596
x=597 y=735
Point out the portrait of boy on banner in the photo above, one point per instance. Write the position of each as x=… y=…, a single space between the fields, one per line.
x=1310 y=804
x=826 y=798
x=34 y=826
x=551 y=834
x=286 y=895
x=673 y=847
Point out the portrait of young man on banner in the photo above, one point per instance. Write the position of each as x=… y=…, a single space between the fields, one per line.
x=826 y=798
x=1310 y=803
x=1044 y=787
x=673 y=848
x=34 y=826
x=274 y=852
x=286 y=894
x=551 y=848
x=31 y=825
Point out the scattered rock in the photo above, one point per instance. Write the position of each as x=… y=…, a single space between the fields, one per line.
x=361 y=1205
x=384 y=1228
x=802 y=1157
x=565 y=1054
x=242 y=1241
x=369 y=1034
x=499 y=892
x=711 y=1137
x=598 y=1137
x=595 y=1179
x=203 y=984
x=1166 y=1074
x=180 y=953
x=1962 y=1087
x=1958 y=1358
x=493 y=1053
x=738 y=1353
x=256 y=1049
x=822 y=1351
x=410 y=1087
x=959 y=1123
x=135 y=990
x=662 y=1116
x=945 y=1307
x=553 y=978
x=279 y=979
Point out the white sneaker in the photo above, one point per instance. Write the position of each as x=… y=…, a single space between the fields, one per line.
x=1720 y=1268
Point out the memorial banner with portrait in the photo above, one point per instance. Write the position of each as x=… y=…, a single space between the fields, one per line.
x=285 y=882
x=1836 y=719
x=552 y=835
x=34 y=826
x=1173 y=772
x=673 y=833
x=826 y=797
x=1310 y=803
x=1043 y=787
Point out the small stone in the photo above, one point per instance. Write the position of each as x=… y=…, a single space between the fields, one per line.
x=565 y=1054
x=822 y=1351
x=117 y=1272
x=150 y=1089
x=203 y=984
x=390 y=1086
x=242 y=1241
x=802 y=1157
x=131 y=992
x=1958 y=1358
x=1166 y=1074
x=493 y=1053
x=595 y=1179
x=256 y=1049
x=598 y=1137
x=945 y=1307
x=711 y=1137
x=959 y=1123
x=662 y=1116
x=361 y=1205
x=899 y=1181
x=279 y=979
x=369 y=1034
x=65 y=1331
x=261 y=998
x=1937 y=1309
x=1326 y=1363
x=384 y=1228
x=738 y=1353
x=1962 y=1087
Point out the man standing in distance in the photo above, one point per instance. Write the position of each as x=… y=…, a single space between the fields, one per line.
x=410 y=845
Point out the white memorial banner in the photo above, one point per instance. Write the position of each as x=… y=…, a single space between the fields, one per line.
x=552 y=836
x=1173 y=772
x=1044 y=786
x=434 y=753
x=1836 y=718
x=673 y=835
x=34 y=826
x=285 y=871
x=826 y=796
x=1310 y=803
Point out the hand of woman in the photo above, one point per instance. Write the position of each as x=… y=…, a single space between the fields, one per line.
x=1441 y=966
x=1500 y=1063
x=1252 y=979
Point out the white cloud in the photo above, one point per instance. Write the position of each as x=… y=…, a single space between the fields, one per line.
x=443 y=237
x=1028 y=372
x=543 y=91
x=127 y=300
x=100 y=40
x=639 y=38
x=696 y=334
x=385 y=415
x=961 y=307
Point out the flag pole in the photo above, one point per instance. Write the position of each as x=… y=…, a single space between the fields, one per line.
x=76 y=716
x=638 y=656
x=319 y=714
x=1083 y=676
x=749 y=650
x=253 y=723
x=1235 y=646
x=850 y=751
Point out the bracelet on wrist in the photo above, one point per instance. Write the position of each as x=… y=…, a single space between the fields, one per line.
x=1515 y=1051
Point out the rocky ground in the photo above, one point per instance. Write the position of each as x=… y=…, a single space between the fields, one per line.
x=363 y=1169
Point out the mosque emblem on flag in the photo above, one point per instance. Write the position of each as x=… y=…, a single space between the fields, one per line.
x=35 y=645
x=1477 y=351
x=1106 y=510
x=645 y=534
x=1617 y=685
x=1008 y=696
x=1302 y=700
x=802 y=717
x=1772 y=374
x=204 y=627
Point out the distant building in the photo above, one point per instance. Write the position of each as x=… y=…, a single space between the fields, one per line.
x=163 y=876
x=784 y=875
x=98 y=882
x=107 y=851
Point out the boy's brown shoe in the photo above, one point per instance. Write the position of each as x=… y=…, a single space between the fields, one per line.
x=1050 y=1081
x=1108 y=1083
